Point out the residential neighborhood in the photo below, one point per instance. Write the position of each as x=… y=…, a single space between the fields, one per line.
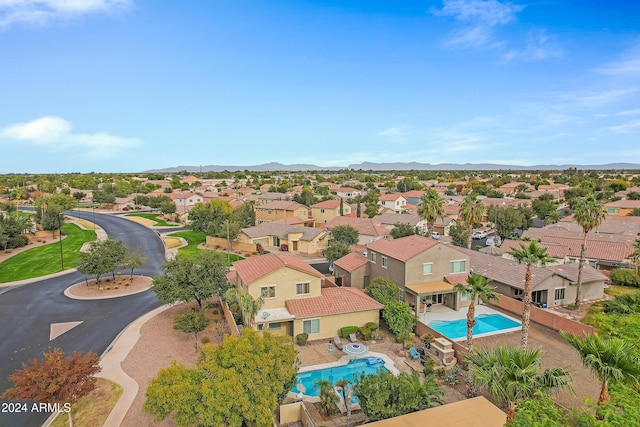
x=319 y=213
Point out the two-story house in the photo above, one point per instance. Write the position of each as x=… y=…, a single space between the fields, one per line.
x=282 y=209
x=424 y=270
x=323 y=212
x=294 y=300
x=393 y=202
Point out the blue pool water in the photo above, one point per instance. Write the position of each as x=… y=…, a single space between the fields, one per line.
x=349 y=371
x=456 y=329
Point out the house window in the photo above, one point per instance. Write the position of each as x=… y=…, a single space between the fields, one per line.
x=560 y=293
x=303 y=213
x=384 y=261
x=268 y=292
x=311 y=326
x=457 y=266
x=373 y=257
x=426 y=268
x=518 y=292
x=260 y=327
x=321 y=210
x=593 y=264
x=572 y=260
x=275 y=326
x=465 y=296
x=269 y=212
x=302 y=288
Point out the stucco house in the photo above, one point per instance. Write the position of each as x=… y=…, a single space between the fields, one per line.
x=424 y=270
x=394 y=202
x=295 y=301
x=327 y=210
x=369 y=230
x=281 y=209
x=553 y=285
x=300 y=239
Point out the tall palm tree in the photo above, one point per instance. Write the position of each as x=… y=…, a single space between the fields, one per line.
x=635 y=256
x=471 y=211
x=248 y=305
x=532 y=255
x=589 y=213
x=477 y=287
x=431 y=209
x=610 y=359
x=510 y=375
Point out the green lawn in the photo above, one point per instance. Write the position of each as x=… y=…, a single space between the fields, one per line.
x=194 y=238
x=154 y=217
x=45 y=259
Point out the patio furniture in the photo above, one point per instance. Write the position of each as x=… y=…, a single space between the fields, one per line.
x=414 y=353
x=338 y=342
x=353 y=338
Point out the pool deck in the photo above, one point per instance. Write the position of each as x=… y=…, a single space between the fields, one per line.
x=443 y=313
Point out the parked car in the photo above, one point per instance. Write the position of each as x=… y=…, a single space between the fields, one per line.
x=435 y=235
x=490 y=242
x=479 y=234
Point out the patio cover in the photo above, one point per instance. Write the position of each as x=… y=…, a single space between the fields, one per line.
x=431 y=288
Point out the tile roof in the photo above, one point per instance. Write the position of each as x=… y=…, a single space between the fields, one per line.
x=395 y=218
x=403 y=249
x=275 y=228
x=280 y=205
x=390 y=197
x=332 y=301
x=504 y=270
x=570 y=272
x=365 y=226
x=251 y=269
x=624 y=203
x=596 y=249
x=351 y=262
x=327 y=204
x=454 y=279
x=555 y=250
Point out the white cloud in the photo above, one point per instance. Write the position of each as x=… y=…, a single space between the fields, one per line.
x=396 y=135
x=477 y=18
x=55 y=134
x=41 y=12
x=539 y=46
x=628 y=65
x=626 y=127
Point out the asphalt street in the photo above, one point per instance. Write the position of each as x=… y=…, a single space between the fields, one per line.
x=27 y=312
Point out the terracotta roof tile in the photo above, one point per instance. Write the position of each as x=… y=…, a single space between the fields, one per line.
x=327 y=204
x=254 y=268
x=365 y=226
x=351 y=262
x=332 y=301
x=403 y=249
x=280 y=205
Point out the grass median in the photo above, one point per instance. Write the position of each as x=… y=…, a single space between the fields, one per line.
x=159 y=222
x=43 y=260
x=195 y=238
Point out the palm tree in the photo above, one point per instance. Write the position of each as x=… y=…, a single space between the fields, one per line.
x=431 y=209
x=476 y=287
x=510 y=375
x=471 y=212
x=610 y=359
x=416 y=394
x=328 y=398
x=589 y=213
x=248 y=305
x=532 y=255
x=635 y=256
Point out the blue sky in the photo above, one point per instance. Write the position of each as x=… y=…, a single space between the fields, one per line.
x=131 y=85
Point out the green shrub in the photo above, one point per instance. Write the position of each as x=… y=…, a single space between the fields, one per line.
x=624 y=277
x=372 y=325
x=365 y=333
x=302 y=338
x=348 y=330
x=377 y=335
x=215 y=311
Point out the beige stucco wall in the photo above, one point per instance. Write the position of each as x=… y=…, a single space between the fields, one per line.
x=321 y=219
x=330 y=325
x=354 y=279
x=284 y=279
x=263 y=214
x=440 y=256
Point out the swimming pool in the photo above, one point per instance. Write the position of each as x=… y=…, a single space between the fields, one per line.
x=485 y=324
x=349 y=371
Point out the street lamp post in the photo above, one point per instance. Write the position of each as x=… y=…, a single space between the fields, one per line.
x=60 y=240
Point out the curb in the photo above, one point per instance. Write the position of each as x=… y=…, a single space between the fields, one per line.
x=112 y=370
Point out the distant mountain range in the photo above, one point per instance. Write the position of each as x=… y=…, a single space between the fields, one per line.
x=398 y=166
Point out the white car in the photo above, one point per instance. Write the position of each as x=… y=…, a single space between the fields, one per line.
x=435 y=235
x=479 y=234
x=490 y=242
